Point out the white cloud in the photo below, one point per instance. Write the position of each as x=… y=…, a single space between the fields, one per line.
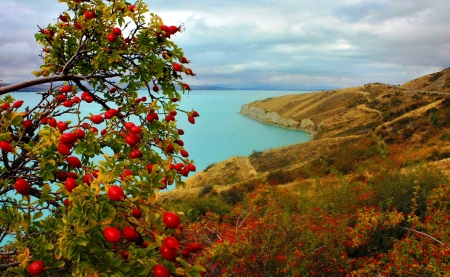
x=258 y=42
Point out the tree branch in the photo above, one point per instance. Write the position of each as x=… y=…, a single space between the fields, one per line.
x=55 y=78
x=8 y=265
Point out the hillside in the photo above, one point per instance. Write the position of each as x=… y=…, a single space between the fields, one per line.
x=352 y=126
x=367 y=196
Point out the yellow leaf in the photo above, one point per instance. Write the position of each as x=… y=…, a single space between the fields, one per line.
x=180 y=271
x=24 y=257
x=106 y=222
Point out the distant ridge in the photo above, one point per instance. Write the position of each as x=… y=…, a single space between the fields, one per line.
x=29 y=89
x=350 y=125
x=437 y=82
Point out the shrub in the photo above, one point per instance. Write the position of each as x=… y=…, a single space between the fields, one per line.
x=232 y=196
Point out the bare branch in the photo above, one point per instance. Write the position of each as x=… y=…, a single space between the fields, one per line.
x=8 y=265
x=55 y=78
x=425 y=234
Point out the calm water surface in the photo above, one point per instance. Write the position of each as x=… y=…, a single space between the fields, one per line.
x=220 y=132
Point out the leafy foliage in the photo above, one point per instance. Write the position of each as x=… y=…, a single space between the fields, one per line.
x=63 y=183
x=335 y=227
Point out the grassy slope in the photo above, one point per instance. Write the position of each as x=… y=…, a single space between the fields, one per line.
x=356 y=127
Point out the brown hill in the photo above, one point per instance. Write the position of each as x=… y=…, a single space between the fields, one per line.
x=357 y=130
x=437 y=82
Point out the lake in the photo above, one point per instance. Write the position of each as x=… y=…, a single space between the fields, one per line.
x=221 y=132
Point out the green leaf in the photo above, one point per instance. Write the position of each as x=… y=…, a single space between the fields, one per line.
x=16 y=120
x=81 y=240
x=48 y=246
x=59 y=264
x=38 y=215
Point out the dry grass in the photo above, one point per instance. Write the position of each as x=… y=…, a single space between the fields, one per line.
x=410 y=126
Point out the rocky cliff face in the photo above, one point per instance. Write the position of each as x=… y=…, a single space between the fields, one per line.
x=274 y=118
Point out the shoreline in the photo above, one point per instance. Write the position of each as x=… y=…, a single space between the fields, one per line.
x=309 y=132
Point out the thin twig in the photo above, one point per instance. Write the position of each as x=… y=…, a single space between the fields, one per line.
x=425 y=234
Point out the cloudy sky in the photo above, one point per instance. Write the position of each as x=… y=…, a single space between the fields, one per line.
x=274 y=44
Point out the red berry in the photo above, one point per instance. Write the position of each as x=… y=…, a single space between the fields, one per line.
x=62 y=97
x=124 y=254
x=186 y=87
x=180 y=132
x=36 y=268
x=179 y=142
x=6 y=146
x=128 y=125
x=170 y=148
x=171 y=220
x=63 y=149
x=88 y=99
x=129 y=233
x=97 y=119
x=185 y=253
x=194 y=247
x=62 y=126
x=80 y=133
x=136 y=212
x=184 y=60
x=171 y=242
x=27 y=124
x=22 y=186
x=135 y=129
x=66 y=202
x=160 y=271
x=61 y=176
x=191 y=119
x=117 y=31
x=6 y=106
x=192 y=167
x=126 y=172
x=130 y=140
x=165 y=28
x=176 y=67
x=70 y=184
x=17 y=104
x=116 y=193
x=63 y=18
x=68 y=138
x=168 y=253
x=184 y=153
x=73 y=161
x=68 y=103
x=66 y=88
x=173 y=29
x=52 y=122
x=189 y=72
x=136 y=154
x=155 y=88
x=72 y=175
x=89 y=14
x=87 y=178
x=112 y=234
x=131 y=8
x=111 y=37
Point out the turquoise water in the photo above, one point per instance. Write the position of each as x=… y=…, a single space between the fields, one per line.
x=220 y=132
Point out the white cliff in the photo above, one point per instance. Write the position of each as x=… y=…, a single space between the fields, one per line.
x=275 y=119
